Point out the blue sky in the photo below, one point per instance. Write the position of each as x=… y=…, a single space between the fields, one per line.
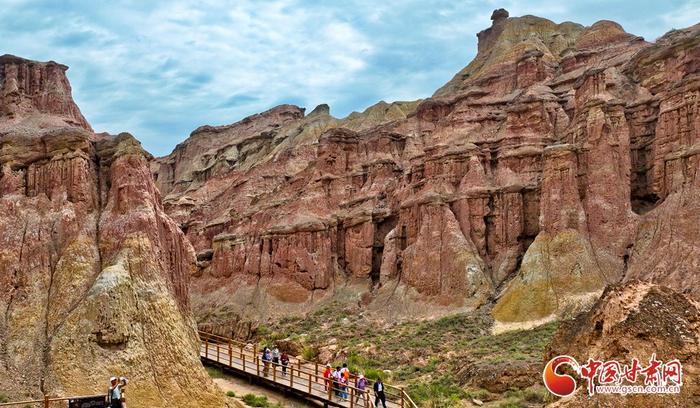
x=159 y=69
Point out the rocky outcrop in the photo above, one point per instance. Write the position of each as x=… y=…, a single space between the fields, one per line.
x=36 y=92
x=95 y=273
x=550 y=167
x=635 y=320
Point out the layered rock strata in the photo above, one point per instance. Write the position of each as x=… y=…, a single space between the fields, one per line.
x=95 y=274
x=557 y=162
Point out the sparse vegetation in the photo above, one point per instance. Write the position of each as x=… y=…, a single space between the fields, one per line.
x=3 y=398
x=427 y=356
x=259 y=401
x=214 y=372
x=231 y=394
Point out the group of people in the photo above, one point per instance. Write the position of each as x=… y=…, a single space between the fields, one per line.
x=274 y=357
x=115 y=395
x=338 y=380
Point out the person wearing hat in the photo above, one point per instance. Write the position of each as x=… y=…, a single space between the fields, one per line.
x=114 y=395
x=361 y=386
x=327 y=376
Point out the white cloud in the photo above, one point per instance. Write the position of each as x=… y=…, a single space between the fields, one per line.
x=160 y=69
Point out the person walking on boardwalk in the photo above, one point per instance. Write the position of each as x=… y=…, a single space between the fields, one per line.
x=379 y=393
x=336 y=381
x=114 y=395
x=266 y=357
x=361 y=390
x=343 y=387
x=327 y=375
x=285 y=362
x=275 y=356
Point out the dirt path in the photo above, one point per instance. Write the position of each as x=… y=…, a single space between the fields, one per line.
x=241 y=387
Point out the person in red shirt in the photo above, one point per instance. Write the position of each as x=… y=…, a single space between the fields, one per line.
x=327 y=376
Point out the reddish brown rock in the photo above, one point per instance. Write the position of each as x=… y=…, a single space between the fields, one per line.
x=634 y=320
x=95 y=273
x=31 y=89
x=540 y=168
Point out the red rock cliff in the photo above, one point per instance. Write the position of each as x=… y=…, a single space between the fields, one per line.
x=561 y=159
x=95 y=274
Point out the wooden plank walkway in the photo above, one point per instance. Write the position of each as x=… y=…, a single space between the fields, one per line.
x=302 y=377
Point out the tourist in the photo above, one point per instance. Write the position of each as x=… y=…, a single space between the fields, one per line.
x=285 y=362
x=266 y=357
x=343 y=387
x=336 y=381
x=345 y=372
x=361 y=386
x=115 y=393
x=124 y=381
x=379 y=393
x=275 y=357
x=327 y=375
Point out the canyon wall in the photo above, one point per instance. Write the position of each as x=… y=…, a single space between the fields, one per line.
x=95 y=274
x=562 y=159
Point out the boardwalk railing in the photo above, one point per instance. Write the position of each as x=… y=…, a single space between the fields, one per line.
x=302 y=376
x=47 y=401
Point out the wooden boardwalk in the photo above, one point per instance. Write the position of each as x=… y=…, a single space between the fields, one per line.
x=303 y=378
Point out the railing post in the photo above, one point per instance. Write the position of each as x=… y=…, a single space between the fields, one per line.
x=316 y=370
x=352 y=397
x=402 y=393
x=309 y=383
x=206 y=348
x=257 y=364
x=291 y=376
x=46 y=401
x=274 y=372
x=244 y=363
x=230 y=354
x=218 y=353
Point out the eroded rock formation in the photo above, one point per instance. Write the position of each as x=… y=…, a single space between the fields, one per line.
x=563 y=158
x=94 y=273
x=634 y=320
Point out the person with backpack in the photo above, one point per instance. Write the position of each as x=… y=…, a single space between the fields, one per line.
x=361 y=390
x=379 y=393
x=114 y=394
x=285 y=362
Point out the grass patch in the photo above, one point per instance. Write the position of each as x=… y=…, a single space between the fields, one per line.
x=214 y=372
x=426 y=356
x=231 y=394
x=259 y=401
x=3 y=398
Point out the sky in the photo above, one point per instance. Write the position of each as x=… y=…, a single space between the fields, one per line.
x=160 y=69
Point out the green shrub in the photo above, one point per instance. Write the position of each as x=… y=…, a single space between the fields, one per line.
x=512 y=403
x=3 y=398
x=215 y=372
x=231 y=394
x=256 y=401
x=309 y=353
